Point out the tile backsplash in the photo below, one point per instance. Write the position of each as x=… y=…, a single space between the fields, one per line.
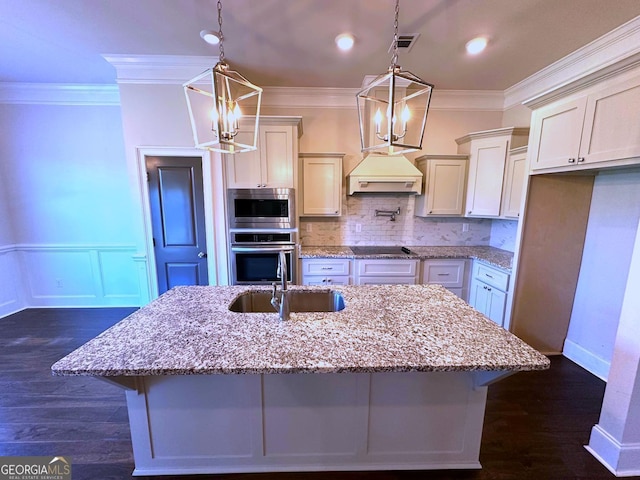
x=358 y=225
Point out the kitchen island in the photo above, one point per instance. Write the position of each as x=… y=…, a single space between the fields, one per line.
x=395 y=380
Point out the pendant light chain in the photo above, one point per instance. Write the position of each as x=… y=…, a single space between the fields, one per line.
x=394 y=57
x=220 y=35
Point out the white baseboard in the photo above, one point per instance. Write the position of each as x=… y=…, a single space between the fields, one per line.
x=586 y=359
x=623 y=460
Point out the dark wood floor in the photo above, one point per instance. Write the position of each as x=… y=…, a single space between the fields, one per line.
x=535 y=427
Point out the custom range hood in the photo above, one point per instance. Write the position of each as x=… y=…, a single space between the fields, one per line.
x=378 y=173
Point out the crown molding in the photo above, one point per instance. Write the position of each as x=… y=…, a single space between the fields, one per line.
x=59 y=94
x=609 y=54
x=158 y=69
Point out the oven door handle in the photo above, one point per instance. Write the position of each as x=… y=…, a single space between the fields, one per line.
x=272 y=249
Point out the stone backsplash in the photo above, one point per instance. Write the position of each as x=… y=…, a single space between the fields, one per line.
x=358 y=225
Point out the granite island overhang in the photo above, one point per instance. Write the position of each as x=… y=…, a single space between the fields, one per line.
x=399 y=380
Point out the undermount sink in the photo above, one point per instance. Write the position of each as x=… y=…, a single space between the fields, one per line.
x=299 y=301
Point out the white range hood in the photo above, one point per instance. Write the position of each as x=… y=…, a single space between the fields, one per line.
x=378 y=173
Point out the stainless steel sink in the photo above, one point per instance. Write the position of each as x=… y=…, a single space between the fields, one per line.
x=299 y=301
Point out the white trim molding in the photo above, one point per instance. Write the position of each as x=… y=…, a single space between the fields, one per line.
x=158 y=69
x=11 y=285
x=59 y=94
x=89 y=275
x=614 y=51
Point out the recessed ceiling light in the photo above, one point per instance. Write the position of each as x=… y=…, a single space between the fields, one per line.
x=210 y=37
x=345 y=41
x=476 y=45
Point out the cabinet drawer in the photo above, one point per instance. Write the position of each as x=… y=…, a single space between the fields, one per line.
x=326 y=280
x=326 y=266
x=387 y=280
x=491 y=276
x=387 y=268
x=448 y=273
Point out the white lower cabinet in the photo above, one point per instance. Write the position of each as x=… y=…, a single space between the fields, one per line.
x=326 y=271
x=488 y=291
x=386 y=271
x=450 y=273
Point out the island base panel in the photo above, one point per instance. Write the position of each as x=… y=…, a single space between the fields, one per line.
x=306 y=422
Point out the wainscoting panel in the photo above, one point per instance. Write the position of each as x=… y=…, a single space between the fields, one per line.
x=83 y=276
x=11 y=299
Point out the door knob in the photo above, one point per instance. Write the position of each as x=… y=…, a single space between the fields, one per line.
x=202 y=255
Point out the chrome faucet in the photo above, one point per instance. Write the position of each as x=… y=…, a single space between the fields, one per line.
x=281 y=304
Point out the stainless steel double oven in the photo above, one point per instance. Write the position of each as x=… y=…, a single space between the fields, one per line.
x=262 y=222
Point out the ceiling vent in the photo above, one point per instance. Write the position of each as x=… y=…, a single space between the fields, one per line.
x=406 y=41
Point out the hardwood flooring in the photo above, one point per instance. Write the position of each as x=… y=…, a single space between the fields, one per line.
x=536 y=423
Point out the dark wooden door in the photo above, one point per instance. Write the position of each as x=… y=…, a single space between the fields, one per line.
x=176 y=201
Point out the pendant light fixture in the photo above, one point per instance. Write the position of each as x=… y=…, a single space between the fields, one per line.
x=392 y=109
x=224 y=107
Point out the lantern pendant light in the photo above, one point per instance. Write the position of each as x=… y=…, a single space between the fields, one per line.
x=392 y=109
x=224 y=107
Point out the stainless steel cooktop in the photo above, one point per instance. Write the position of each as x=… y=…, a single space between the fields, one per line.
x=380 y=250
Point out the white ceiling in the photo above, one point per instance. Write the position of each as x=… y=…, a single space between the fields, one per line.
x=291 y=42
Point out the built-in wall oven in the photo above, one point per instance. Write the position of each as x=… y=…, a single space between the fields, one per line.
x=262 y=223
x=254 y=256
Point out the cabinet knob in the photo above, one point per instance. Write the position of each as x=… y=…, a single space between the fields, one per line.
x=336 y=211
x=258 y=185
x=469 y=212
x=430 y=211
x=580 y=159
x=572 y=160
x=328 y=280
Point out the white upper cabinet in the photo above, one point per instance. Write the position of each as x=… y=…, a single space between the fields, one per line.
x=584 y=132
x=487 y=152
x=445 y=178
x=556 y=134
x=514 y=182
x=321 y=184
x=274 y=163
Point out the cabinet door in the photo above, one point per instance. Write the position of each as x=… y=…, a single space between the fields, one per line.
x=444 y=187
x=244 y=169
x=611 y=124
x=486 y=173
x=321 y=186
x=276 y=152
x=514 y=185
x=496 y=301
x=478 y=296
x=557 y=130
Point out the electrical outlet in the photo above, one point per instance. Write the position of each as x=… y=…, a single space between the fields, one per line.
x=58 y=283
x=465 y=227
x=358 y=227
x=309 y=227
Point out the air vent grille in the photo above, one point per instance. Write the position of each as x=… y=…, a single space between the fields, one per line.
x=406 y=41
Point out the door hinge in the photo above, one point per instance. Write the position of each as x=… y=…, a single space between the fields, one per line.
x=147 y=176
x=154 y=242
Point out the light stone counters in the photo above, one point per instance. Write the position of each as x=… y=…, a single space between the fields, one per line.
x=383 y=328
x=493 y=256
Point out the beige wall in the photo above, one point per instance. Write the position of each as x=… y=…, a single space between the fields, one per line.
x=336 y=130
x=518 y=116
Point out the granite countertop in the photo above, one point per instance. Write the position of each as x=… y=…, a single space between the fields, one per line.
x=496 y=257
x=189 y=330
